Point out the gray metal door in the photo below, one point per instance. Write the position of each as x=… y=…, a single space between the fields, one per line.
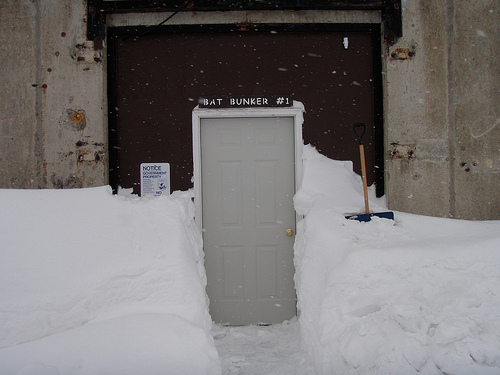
x=248 y=185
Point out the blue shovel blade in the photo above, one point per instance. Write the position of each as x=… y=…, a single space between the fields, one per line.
x=367 y=217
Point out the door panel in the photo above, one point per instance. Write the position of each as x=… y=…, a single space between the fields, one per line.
x=248 y=174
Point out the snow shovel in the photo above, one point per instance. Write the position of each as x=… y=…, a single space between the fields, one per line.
x=359 y=129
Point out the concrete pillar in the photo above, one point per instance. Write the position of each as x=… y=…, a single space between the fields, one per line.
x=475 y=92
x=18 y=127
x=55 y=132
x=442 y=110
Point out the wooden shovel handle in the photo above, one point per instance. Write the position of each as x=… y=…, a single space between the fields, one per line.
x=363 y=175
x=359 y=130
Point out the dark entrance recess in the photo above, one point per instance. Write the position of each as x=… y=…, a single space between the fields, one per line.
x=156 y=79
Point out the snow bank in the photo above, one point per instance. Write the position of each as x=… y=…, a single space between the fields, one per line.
x=416 y=296
x=142 y=344
x=95 y=283
x=92 y=283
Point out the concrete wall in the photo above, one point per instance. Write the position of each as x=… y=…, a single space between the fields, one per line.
x=443 y=110
x=441 y=104
x=475 y=108
x=53 y=122
x=18 y=161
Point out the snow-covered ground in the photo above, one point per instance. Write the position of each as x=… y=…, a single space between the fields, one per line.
x=251 y=350
x=92 y=283
x=420 y=295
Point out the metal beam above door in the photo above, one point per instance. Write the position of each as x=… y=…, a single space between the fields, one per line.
x=98 y=9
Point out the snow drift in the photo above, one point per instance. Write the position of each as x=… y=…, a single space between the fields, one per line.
x=416 y=296
x=95 y=283
x=92 y=283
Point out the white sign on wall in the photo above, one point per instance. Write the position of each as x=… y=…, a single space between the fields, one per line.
x=155 y=179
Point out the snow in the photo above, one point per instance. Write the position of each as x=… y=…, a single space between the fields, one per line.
x=135 y=344
x=94 y=283
x=254 y=349
x=418 y=295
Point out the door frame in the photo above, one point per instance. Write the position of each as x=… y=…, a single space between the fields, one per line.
x=296 y=111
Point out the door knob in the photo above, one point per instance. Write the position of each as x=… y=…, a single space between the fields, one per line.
x=289 y=232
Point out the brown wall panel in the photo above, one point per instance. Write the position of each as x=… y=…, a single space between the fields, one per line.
x=160 y=77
